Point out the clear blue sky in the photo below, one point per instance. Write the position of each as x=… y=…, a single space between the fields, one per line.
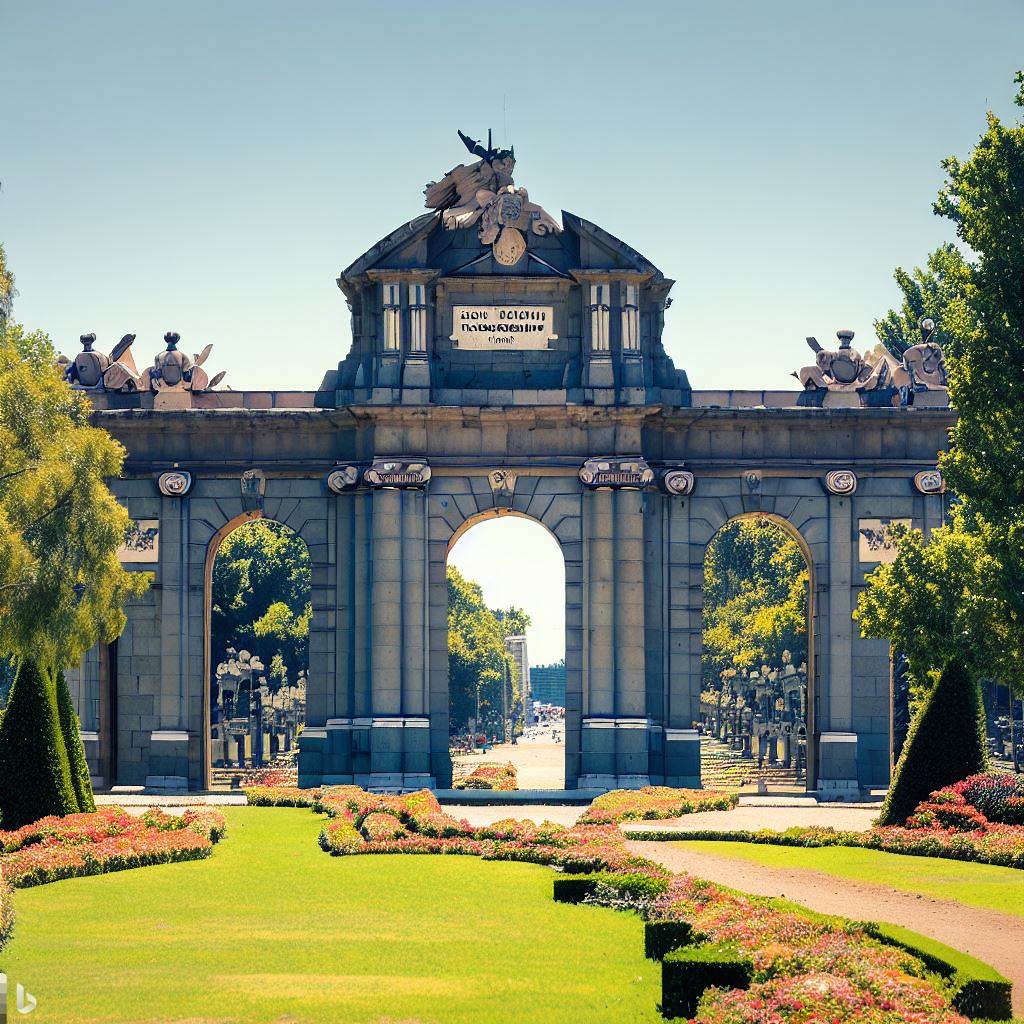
x=211 y=167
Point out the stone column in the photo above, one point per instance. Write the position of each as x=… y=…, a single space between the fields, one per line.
x=837 y=744
x=168 y=744
x=631 y=726
x=398 y=639
x=614 y=738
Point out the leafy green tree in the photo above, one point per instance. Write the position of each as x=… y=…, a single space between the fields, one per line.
x=755 y=599
x=955 y=604
x=984 y=197
x=262 y=586
x=962 y=596
x=35 y=775
x=930 y=291
x=62 y=587
x=478 y=663
x=938 y=602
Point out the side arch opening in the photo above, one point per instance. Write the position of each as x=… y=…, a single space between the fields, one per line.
x=257 y=610
x=757 y=698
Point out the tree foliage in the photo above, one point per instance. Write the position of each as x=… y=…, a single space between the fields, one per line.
x=937 y=602
x=960 y=596
x=478 y=663
x=984 y=197
x=755 y=598
x=62 y=587
x=932 y=291
x=6 y=291
x=261 y=602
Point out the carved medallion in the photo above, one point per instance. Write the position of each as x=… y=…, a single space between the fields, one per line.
x=510 y=247
x=342 y=478
x=752 y=480
x=841 y=481
x=397 y=473
x=174 y=484
x=616 y=472
x=930 y=481
x=676 y=481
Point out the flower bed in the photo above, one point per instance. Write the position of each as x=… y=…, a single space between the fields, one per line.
x=805 y=968
x=654 y=802
x=950 y=824
x=490 y=775
x=6 y=910
x=280 y=796
x=106 y=840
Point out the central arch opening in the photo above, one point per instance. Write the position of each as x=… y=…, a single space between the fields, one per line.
x=757 y=658
x=506 y=654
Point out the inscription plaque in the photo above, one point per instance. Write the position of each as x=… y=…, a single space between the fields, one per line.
x=515 y=328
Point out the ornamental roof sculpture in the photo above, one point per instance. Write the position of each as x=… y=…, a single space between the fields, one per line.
x=484 y=193
x=915 y=368
x=844 y=369
x=171 y=370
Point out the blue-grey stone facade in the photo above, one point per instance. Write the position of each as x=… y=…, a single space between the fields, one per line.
x=377 y=710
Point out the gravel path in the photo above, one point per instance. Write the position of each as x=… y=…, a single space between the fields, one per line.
x=996 y=938
x=755 y=816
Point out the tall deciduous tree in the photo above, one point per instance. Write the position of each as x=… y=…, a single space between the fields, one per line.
x=961 y=596
x=478 y=663
x=984 y=197
x=955 y=604
x=62 y=587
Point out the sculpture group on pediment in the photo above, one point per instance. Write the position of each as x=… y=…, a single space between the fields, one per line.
x=484 y=193
x=172 y=370
x=842 y=369
x=920 y=367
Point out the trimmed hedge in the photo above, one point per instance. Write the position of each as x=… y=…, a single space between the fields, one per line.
x=35 y=776
x=574 y=888
x=946 y=743
x=661 y=937
x=977 y=990
x=688 y=972
x=81 y=777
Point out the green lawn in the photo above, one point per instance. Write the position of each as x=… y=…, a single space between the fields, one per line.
x=976 y=885
x=271 y=929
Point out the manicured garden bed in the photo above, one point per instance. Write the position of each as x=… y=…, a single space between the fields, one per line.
x=980 y=819
x=799 y=967
x=270 y=929
x=106 y=840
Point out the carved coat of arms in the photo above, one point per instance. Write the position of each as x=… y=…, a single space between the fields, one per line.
x=485 y=193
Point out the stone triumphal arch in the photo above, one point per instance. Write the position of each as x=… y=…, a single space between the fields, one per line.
x=502 y=361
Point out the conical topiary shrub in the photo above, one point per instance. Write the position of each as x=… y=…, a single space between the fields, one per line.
x=945 y=743
x=35 y=777
x=81 y=778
